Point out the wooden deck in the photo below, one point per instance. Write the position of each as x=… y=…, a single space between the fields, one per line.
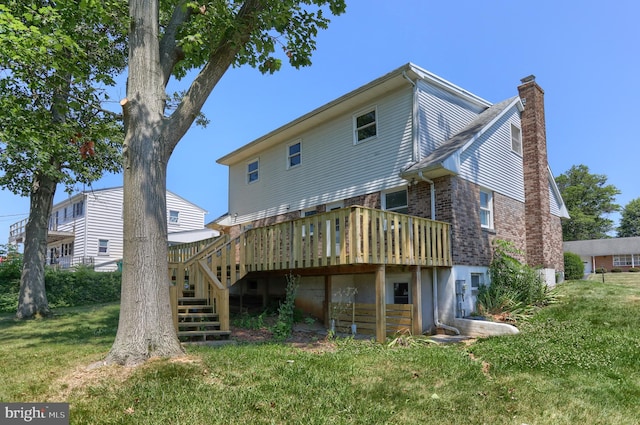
x=345 y=237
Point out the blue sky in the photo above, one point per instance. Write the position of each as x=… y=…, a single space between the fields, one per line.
x=585 y=55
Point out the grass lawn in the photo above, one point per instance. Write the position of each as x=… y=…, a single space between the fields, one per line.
x=576 y=362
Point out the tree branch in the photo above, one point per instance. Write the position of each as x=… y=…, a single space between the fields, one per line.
x=170 y=52
x=222 y=56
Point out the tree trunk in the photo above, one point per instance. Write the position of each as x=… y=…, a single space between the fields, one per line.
x=146 y=327
x=32 y=301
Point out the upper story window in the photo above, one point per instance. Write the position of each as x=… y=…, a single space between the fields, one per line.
x=365 y=125
x=396 y=201
x=78 y=209
x=294 y=154
x=516 y=139
x=103 y=246
x=486 y=209
x=174 y=217
x=252 y=171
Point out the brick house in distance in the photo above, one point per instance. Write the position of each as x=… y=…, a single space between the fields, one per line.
x=396 y=190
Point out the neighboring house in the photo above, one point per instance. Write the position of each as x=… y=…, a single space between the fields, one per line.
x=87 y=228
x=411 y=148
x=613 y=253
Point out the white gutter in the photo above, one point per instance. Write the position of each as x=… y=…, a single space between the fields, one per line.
x=434 y=279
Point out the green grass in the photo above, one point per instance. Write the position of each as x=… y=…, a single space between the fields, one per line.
x=575 y=361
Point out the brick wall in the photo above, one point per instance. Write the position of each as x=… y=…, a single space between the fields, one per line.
x=544 y=244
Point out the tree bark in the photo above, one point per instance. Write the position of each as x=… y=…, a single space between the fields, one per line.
x=145 y=326
x=32 y=301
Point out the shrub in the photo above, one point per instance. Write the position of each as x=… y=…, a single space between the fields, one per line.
x=514 y=286
x=67 y=289
x=601 y=270
x=633 y=270
x=616 y=270
x=573 y=266
x=10 y=263
x=81 y=287
x=284 y=325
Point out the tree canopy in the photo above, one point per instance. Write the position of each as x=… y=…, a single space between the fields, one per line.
x=630 y=219
x=588 y=198
x=167 y=39
x=56 y=59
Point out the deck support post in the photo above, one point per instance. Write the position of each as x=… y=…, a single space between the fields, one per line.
x=416 y=294
x=223 y=309
x=328 y=290
x=381 y=308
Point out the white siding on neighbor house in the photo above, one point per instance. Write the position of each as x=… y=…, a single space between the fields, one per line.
x=332 y=167
x=490 y=162
x=104 y=221
x=191 y=217
x=441 y=115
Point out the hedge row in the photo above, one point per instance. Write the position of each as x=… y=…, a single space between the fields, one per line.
x=67 y=289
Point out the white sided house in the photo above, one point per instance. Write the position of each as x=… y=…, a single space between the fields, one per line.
x=393 y=191
x=87 y=228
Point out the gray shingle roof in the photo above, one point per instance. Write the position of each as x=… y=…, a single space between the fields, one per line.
x=449 y=147
x=598 y=247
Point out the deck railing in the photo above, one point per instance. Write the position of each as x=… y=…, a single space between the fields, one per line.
x=348 y=236
x=354 y=235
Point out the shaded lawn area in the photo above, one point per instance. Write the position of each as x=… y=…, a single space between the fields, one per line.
x=576 y=361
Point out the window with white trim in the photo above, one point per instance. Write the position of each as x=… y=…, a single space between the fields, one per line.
x=78 y=209
x=103 y=246
x=516 y=139
x=365 y=125
x=477 y=280
x=632 y=260
x=174 y=217
x=486 y=209
x=252 y=171
x=294 y=154
x=396 y=201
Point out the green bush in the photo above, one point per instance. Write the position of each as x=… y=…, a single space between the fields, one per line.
x=601 y=270
x=616 y=270
x=83 y=286
x=573 y=266
x=514 y=287
x=10 y=263
x=633 y=270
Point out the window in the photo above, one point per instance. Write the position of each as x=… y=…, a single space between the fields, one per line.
x=174 y=217
x=252 y=171
x=396 y=201
x=78 y=209
x=486 y=209
x=401 y=293
x=103 y=246
x=308 y=213
x=632 y=260
x=516 y=139
x=477 y=280
x=294 y=155
x=365 y=126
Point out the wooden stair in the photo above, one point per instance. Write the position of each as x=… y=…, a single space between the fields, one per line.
x=197 y=321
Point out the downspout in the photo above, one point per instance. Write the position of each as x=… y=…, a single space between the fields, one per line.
x=434 y=279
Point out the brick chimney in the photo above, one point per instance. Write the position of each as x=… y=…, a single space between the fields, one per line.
x=540 y=224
